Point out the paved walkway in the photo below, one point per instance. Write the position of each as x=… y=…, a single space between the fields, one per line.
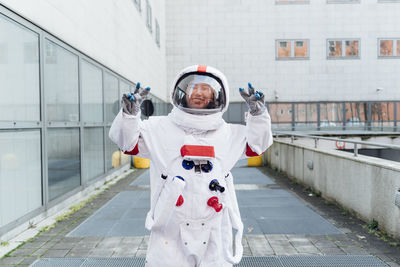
x=280 y=219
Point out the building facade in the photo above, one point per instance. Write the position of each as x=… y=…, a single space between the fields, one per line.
x=65 y=64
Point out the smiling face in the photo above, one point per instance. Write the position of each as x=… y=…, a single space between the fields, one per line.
x=200 y=96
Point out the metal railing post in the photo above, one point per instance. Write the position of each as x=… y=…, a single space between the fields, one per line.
x=355 y=150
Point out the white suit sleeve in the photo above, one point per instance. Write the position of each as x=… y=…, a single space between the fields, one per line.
x=125 y=131
x=258 y=132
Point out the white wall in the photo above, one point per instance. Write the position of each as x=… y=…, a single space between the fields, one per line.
x=364 y=185
x=238 y=37
x=112 y=32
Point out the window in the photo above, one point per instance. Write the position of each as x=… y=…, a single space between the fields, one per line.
x=138 y=4
x=148 y=17
x=343 y=1
x=292 y=49
x=157 y=34
x=61 y=83
x=292 y=1
x=63 y=155
x=19 y=72
x=111 y=96
x=92 y=92
x=389 y=48
x=343 y=48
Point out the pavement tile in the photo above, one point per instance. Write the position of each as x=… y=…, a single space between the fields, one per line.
x=11 y=260
x=332 y=251
x=101 y=253
x=28 y=261
x=40 y=252
x=141 y=253
x=259 y=245
x=34 y=244
x=79 y=253
x=276 y=237
x=64 y=245
x=109 y=242
x=23 y=252
x=56 y=253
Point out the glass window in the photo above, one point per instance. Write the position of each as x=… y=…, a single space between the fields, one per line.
x=382 y=114
x=356 y=114
x=61 y=83
x=291 y=1
x=149 y=17
x=111 y=97
x=112 y=152
x=398 y=47
x=284 y=49
x=278 y=114
x=124 y=88
x=343 y=48
x=343 y=1
x=92 y=93
x=63 y=155
x=389 y=48
x=93 y=153
x=19 y=72
x=386 y=48
x=351 y=48
x=290 y=49
x=331 y=114
x=335 y=48
x=20 y=174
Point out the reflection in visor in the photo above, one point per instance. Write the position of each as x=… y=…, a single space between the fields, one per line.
x=198 y=93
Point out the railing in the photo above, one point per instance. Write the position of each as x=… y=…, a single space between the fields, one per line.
x=316 y=138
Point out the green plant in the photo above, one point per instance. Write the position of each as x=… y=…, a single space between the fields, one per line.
x=4 y=243
x=373 y=225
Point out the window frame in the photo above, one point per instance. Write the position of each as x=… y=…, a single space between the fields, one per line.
x=394 y=47
x=292 y=49
x=292 y=2
x=149 y=16
x=343 y=1
x=388 y=1
x=157 y=33
x=343 y=56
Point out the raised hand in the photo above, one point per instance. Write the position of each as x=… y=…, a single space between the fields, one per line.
x=131 y=102
x=254 y=100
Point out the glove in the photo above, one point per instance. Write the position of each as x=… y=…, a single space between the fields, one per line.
x=254 y=100
x=131 y=102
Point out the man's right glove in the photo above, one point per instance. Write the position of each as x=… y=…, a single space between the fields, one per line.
x=254 y=100
x=131 y=102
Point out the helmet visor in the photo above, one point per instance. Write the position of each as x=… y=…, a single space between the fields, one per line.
x=199 y=94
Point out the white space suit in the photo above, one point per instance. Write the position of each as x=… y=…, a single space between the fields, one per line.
x=192 y=216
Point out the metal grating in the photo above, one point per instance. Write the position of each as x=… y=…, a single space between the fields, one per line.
x=332 y=261
x=271 y=261
x=59 y=262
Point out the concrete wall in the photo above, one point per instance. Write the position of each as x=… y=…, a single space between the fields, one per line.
x=113 y=33
x=364 y=185
x=238 y=37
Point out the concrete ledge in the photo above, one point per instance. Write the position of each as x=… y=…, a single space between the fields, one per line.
x=365 y=185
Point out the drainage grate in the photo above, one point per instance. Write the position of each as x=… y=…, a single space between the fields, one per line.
x=331 y=261
x=272 y=261
x=59 y=262
x=260 y=262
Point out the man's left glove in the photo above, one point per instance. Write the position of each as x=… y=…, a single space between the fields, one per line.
x=254 y=100
x=131 y=102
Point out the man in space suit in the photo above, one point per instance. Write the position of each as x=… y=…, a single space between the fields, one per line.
x=192 y=150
